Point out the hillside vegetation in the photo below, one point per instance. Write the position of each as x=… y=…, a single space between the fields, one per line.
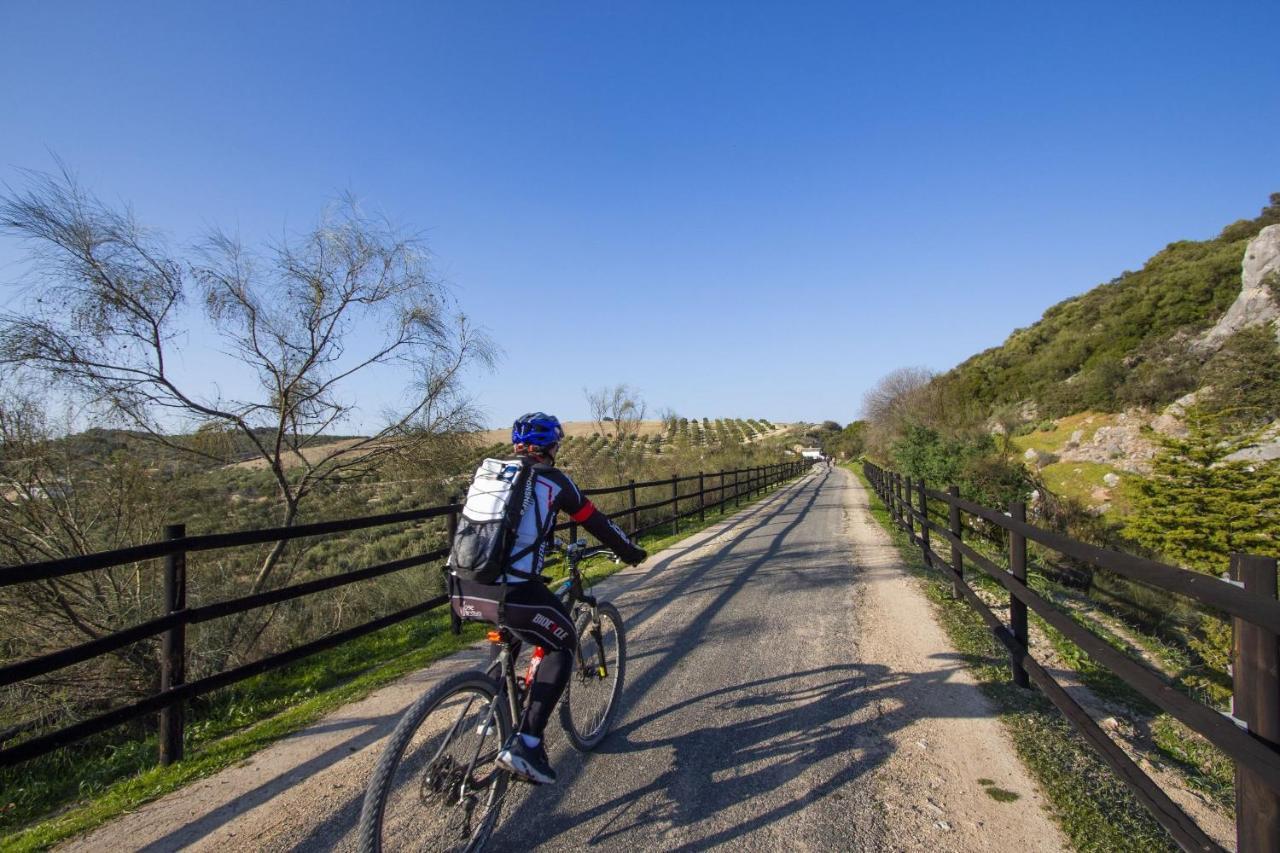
x=1115 y=345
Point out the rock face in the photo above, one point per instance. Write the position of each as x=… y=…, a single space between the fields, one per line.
x=1255 y=305
x=1267 y=448
x=1172 y=421
x=1121 y=445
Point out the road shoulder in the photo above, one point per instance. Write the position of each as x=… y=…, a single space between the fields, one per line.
x=950 y=779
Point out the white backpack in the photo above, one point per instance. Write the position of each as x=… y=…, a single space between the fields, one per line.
x=500 y=493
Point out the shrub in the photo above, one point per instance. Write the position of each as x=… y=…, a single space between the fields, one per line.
x=970 y=462
x=1160 y=373
x=1245 y=378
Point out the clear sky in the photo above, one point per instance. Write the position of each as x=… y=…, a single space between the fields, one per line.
x=744 y=209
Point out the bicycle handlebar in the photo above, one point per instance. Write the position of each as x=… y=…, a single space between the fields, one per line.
x=578 y=551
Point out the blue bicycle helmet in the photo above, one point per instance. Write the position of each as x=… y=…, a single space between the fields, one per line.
x=537 y=429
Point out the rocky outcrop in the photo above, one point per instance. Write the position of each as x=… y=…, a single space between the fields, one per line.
x=1265 y=449
x=1172 y=421
x=1120 y=444
x=1256 y=303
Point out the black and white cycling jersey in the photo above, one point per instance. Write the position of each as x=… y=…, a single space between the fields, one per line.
x=553 y=492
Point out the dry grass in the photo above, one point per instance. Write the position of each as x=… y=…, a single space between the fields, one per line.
x=311 y=453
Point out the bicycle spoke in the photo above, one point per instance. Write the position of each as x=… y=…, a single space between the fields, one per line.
x=594 y=687
x=446 y=789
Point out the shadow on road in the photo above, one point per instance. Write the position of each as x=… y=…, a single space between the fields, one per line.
x=806 y=722
x=804 y=729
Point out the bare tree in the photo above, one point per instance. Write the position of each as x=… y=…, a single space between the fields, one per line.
x=311 y=318
x=57 y=500
x=619 y=406
x=896 y=400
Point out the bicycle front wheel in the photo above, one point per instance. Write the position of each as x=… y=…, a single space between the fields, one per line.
x=599 y=667
x=436 y=786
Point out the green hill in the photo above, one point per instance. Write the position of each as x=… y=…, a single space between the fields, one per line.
x=1101 y=351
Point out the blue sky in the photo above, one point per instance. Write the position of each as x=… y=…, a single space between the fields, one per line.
x=744 y=209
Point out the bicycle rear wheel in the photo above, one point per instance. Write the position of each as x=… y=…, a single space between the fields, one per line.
x=599 y=667
x=436 y=786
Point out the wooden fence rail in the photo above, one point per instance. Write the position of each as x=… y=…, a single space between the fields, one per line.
x=175 y=691
x=1251 y=738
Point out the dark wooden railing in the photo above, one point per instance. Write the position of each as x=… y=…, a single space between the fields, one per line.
x=1251 y=737
x=728 y=487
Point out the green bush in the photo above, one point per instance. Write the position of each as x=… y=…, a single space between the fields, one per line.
x=1245 y=378
x=970 y=462
x=1160 y=372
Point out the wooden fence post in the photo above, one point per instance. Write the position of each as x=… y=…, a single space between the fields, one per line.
x=173 y=652
x=635 y=518
x=911 y=522
x=1256 y=671
x=737 y=492
x=451 y=520
x=897 y=498
x=675 y=504
x=702 y=497
x=1018 y=610
x=957 y=558
x=924 y=524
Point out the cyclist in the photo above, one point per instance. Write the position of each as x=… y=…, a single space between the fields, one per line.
x=531 y=610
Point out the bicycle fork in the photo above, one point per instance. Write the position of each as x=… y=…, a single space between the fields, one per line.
x=601 y=668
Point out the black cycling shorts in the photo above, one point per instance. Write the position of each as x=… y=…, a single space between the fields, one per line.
x=533 y=611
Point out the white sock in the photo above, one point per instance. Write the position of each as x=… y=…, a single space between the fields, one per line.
x=530 y=741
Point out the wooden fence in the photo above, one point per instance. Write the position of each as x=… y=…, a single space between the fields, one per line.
x=714 y=490
x=1250 y=736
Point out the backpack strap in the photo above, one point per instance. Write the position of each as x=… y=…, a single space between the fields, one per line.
x=452 y=590
x=531 y=548
x=526 y=499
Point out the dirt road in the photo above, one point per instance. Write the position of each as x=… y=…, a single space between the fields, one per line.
x=787 y=689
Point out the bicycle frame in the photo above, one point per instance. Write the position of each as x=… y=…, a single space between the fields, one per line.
x=572 y=592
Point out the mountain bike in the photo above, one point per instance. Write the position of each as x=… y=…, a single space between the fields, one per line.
x=436 y=785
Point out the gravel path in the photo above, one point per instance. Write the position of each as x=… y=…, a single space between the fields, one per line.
x=787 y=689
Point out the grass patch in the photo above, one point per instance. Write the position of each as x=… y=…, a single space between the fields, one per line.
x=1054 y=440
x=1093 y=808
x=91 y=789
x=1079 y=480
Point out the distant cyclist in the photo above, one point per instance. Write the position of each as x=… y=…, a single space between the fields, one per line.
x=531 y=610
